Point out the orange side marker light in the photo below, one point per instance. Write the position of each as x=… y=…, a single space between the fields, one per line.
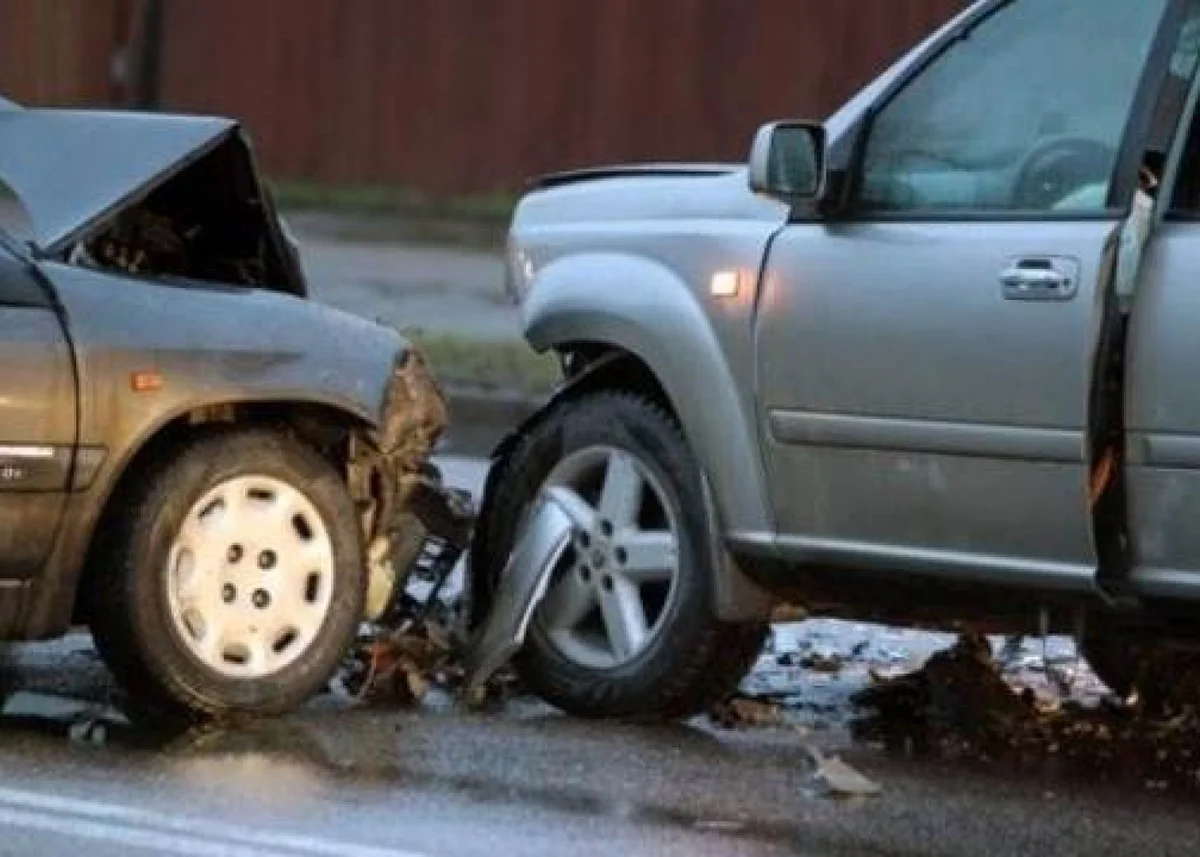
x=146 y=382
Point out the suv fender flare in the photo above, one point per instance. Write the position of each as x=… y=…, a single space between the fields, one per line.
x=645 y=309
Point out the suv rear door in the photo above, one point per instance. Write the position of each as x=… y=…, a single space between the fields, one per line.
x=37 y=414
x=925 y=363
x=1162 y=408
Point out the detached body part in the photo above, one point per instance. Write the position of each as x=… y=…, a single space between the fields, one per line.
x=929 y=362
x=219 y=477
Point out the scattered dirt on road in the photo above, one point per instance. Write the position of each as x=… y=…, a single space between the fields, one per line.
x=959 y=706
x=401 y=667
x=742 y=712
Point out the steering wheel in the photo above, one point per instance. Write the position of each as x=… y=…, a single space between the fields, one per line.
x=1058 y=168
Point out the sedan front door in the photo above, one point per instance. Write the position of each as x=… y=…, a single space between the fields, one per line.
x=37 y=421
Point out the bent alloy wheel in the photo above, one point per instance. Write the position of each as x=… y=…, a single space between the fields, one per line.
x=230 y=579
x=628 y=627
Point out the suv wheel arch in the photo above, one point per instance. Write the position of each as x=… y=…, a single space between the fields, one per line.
x=591 y=368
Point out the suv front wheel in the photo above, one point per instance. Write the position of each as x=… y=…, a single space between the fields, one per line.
x=628 y=626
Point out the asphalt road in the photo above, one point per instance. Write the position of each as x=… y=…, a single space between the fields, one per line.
x=436 y=781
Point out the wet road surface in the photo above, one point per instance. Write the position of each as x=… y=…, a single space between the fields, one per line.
x=526 y=780
x=435 y=781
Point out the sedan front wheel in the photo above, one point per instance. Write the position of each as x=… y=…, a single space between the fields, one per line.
x=232 y=581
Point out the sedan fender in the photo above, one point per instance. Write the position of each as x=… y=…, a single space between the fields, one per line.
x=150 y=351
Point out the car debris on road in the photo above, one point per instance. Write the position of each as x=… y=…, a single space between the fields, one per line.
x=409 y=643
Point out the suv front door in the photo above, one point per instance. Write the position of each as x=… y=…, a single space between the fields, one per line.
x=925 y=363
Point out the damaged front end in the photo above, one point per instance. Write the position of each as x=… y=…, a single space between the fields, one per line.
x=413 y=525
x=416 y=530
x=212 y=221
x=180 y=200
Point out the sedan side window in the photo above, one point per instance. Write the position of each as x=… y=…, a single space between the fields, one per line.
x=1026 y=113
x=17 y=287
x=14 y=216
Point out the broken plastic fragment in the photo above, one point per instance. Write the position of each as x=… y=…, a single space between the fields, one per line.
x=844 y=781
x=835 y=778
x=522 y=587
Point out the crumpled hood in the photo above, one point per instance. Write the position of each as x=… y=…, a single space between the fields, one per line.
x=71 y=169
x=70 y=173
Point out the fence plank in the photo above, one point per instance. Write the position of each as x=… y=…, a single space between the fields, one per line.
x=474 y=95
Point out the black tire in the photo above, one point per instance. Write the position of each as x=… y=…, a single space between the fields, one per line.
x=695 y=659
x=128 y=603
x=1162 y=678
x=1112 y=658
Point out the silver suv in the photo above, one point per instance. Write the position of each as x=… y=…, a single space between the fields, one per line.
x=930 y=361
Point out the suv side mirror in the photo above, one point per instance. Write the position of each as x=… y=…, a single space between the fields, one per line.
x=787 y=160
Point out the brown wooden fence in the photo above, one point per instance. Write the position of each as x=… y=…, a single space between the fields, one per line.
x=60 y=51
x=474 y=95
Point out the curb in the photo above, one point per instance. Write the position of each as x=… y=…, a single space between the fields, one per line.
x=480 y=419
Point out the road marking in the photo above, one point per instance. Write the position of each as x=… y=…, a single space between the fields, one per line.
x=190 y=835
x=130 y=837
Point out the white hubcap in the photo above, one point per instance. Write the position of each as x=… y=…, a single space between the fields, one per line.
x=612 y=593
x=250 y=577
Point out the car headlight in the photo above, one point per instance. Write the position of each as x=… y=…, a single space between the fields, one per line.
x=519 y=270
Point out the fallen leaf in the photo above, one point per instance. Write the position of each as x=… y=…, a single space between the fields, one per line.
x=839 y=779
x=788 y=613
x=740 y=711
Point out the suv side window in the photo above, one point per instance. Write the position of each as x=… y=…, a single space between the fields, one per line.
x=1185 y=197
x=1185 y=202
x=1026 y=113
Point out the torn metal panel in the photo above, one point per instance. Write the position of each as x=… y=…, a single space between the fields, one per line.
x=415 y=410
x=523 y=585
x=411 y=521
x=414 y=417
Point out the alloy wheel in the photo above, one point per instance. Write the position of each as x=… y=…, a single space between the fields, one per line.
x=613 y=590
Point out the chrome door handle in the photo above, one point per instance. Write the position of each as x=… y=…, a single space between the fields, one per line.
x=1040 y=280
x=1033 y=278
